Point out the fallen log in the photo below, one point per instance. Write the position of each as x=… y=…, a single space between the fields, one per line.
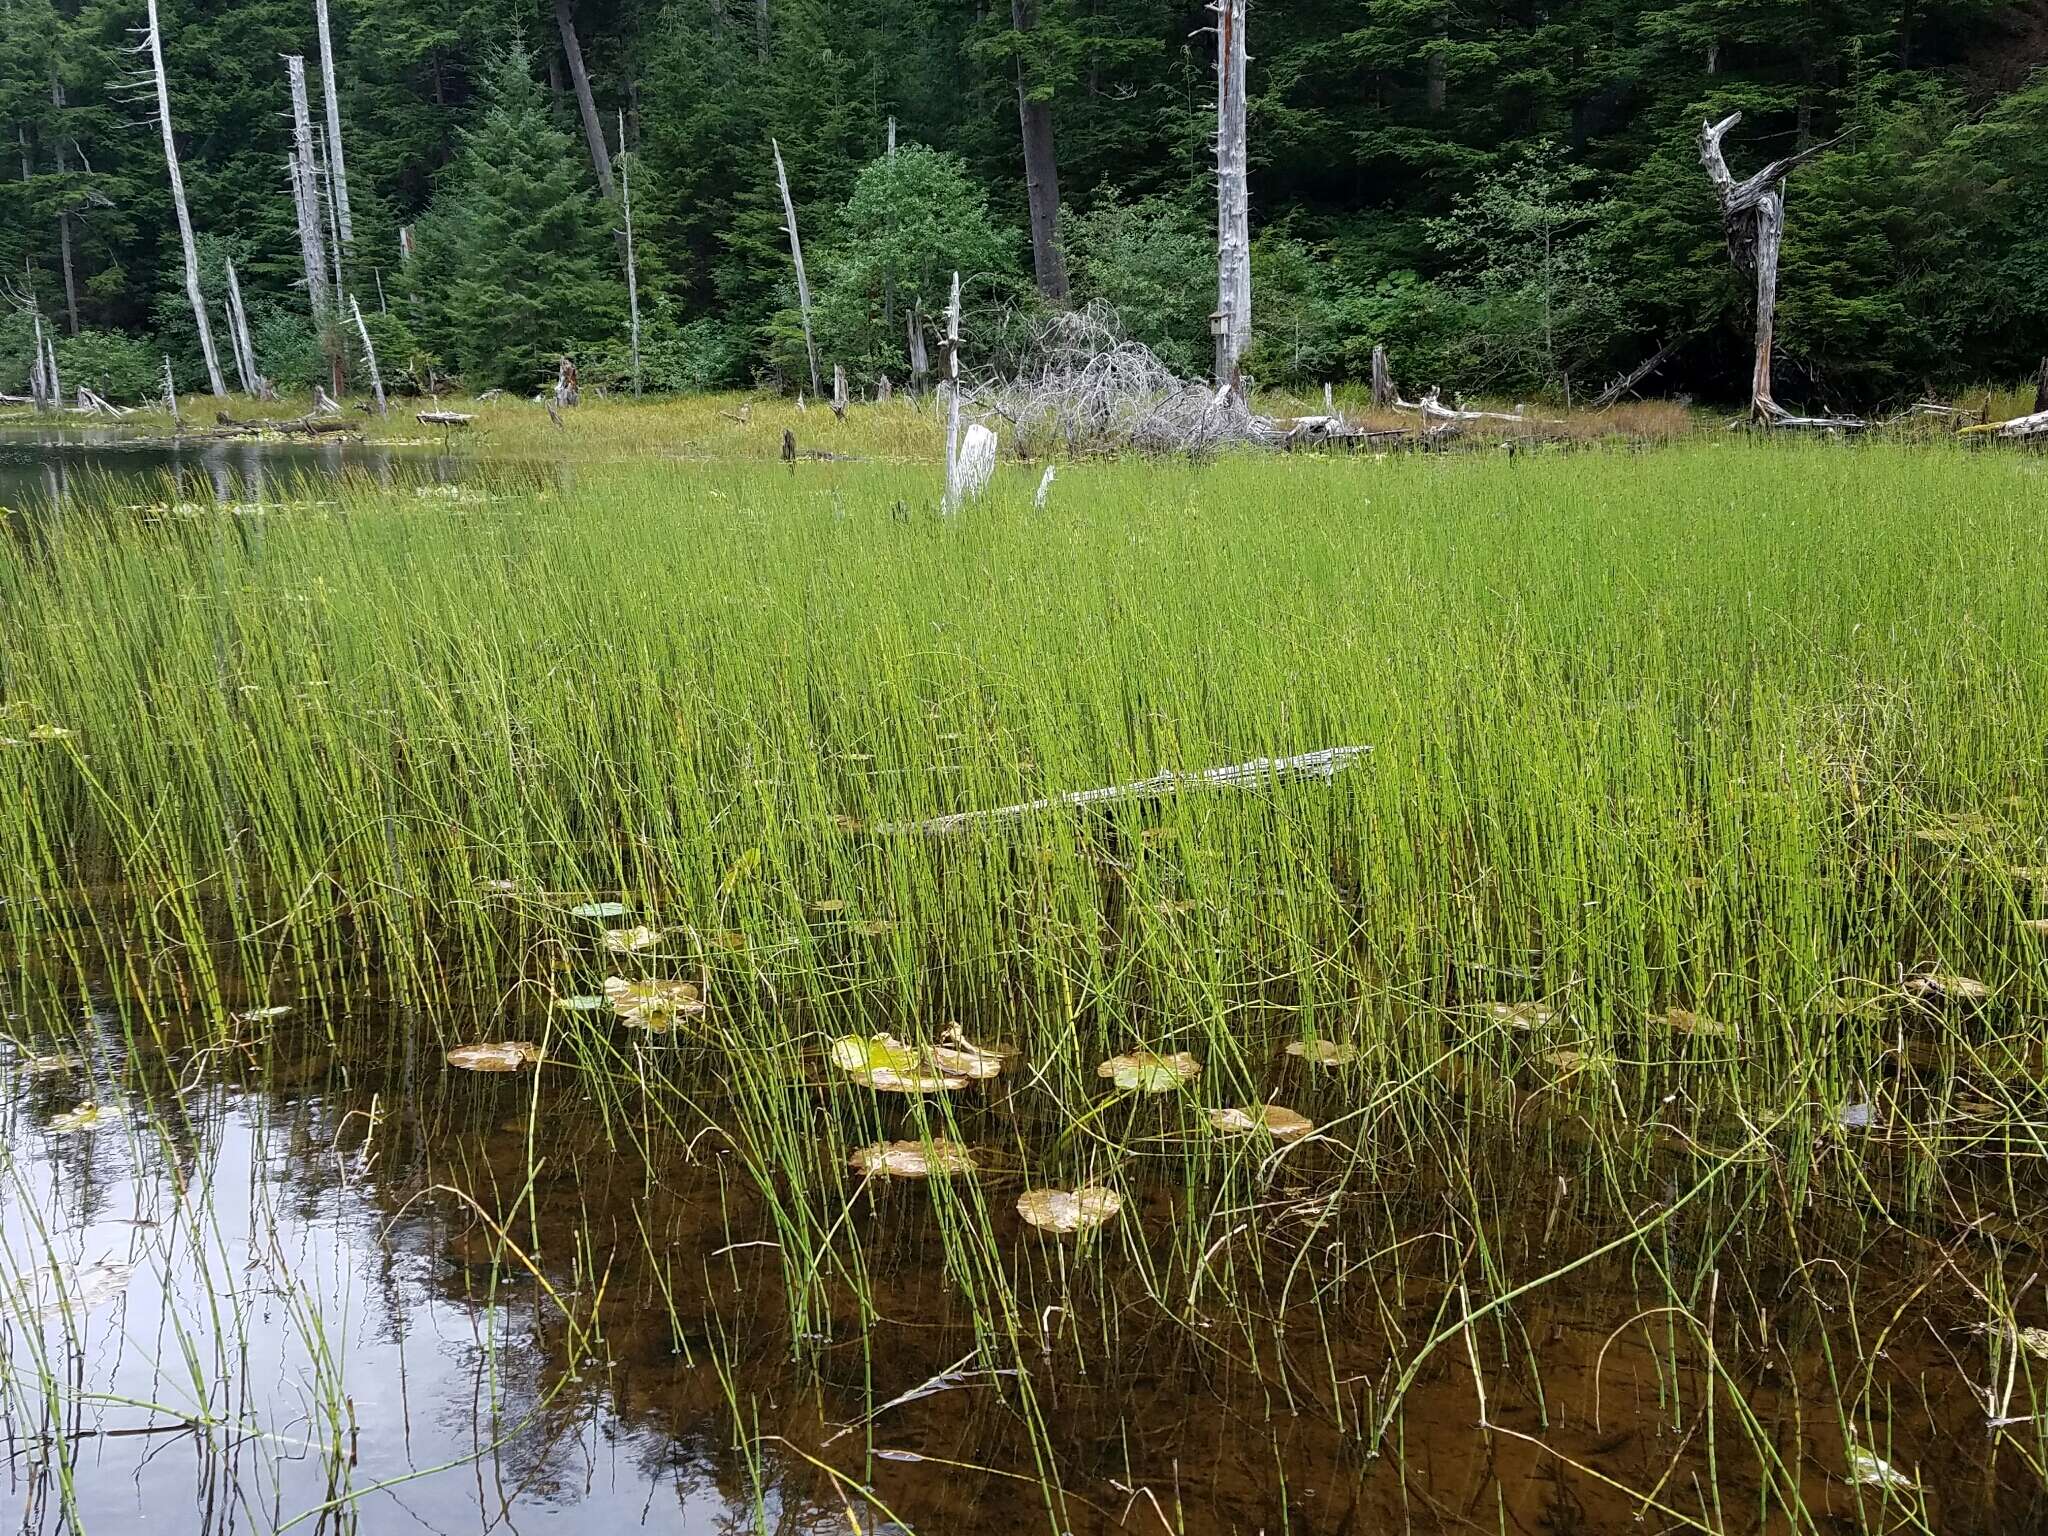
x=1432 y=407
x=1628 y=381
x=1259 y=772
x=2015 y=430
x=308 y=426
x=445 y=418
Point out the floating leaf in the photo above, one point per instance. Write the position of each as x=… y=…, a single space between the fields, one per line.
x=963 y=1058
x=599 y=909
x=51 y=733
x=1064 y=1210
x=1277 y=1121
x=1855 y=1117
x=913 y=1159
x=582 y=1002
x=873 y=1053
x=873 y=927
x=1150 y=1072
x=44 y=1066
x=652 y=1003
x=889 y=1080
x=264 y=1014
x=1684 y=1021
x=494 y=1056
x=828 y=906
x=1946 y=987
x=631 y=941
x=73 y=1289
x=1521 y=1015
x=1873 y=1471
x=86 y=1117
x=1323 y=1053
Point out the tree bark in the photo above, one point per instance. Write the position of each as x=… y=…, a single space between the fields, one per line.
x=2041 y=388
x=337 y=173
x=64 y=217
x=192 y=290
x=1753 y=218
x=369 y=357
x=632 y=273
x=238 y=337
x=796 y=255
x=305 y=196
x=593 y=131
x=1233 y=320
x=1041 y=168
x=950 y=367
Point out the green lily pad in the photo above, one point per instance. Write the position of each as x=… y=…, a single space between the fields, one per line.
x=1150 y=1072
x=599 y=909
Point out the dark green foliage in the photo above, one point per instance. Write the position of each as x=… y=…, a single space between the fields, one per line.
x=1394 y=143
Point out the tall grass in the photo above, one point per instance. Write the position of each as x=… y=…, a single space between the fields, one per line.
x=1701 y=783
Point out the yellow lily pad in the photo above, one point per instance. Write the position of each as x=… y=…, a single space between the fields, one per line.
x=1150 y=1072
x=87 y=1117
x=1521 y=1015
x=1323 y=1053
x=1068 y=1210
x=631 y=941
x=494 y=1056
x=913 y=1159
x=1684 y=1021
x=1946 y=987
x=1276 y=1120
x=653 y=1003
x=961 y=1057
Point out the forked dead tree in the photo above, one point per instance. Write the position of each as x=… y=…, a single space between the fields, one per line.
x=1753 y=216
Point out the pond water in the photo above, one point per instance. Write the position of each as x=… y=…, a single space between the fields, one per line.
x=313 y=1277
x=48 y=466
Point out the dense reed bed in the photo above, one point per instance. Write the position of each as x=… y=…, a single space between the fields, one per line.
x=1678 y=948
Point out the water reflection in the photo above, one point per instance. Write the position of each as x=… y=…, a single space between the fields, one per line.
x=54 y=466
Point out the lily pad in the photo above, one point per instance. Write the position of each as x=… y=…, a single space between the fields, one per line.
x=963 y=1058
x=1323 y=1053
x=51 y=733
x=86 y=1117
x=494 y=1056
x=264 y=1014
x=1521 y=1015
x=45 y=1066
x=1068 y=1210
x=52 y=1289
x=1946 y=987
x=653 y=1003
x=631 y=941
x=582 y=1002
x=873 y=1053
x=1873 y=1471
x=1150 y=1072
x=1684 y=1021
x=913 y=1159
x=599 y=909
x=1276 y=1120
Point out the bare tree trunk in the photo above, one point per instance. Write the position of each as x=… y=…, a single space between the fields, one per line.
x=1233 y=319
x=39 y=389
x=192 y=290
x=796 y=254
x=920 y=363
x=306 y=196
x=949 y=366
x=238 y=337
x=761 y=29
x=1436 y=89
x=369 y=357
x=64 y=217
x=1382 y=380
x=632 y=275
x=593 y=131
x=333 y=221
x=336 y=172
x=1041 y=168
x=1753 y=217
x=2041 y=388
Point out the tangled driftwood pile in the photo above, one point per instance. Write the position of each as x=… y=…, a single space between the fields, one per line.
x=1085 y=386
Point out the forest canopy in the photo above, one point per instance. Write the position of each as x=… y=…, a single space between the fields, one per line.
x=1506 y=197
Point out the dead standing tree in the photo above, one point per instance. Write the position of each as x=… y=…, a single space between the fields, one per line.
x=796 y=255
x=1232 y=322
x=1753 y=216
x=155 y=46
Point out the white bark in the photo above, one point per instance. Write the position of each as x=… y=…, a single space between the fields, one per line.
x=1233 y=319
x=39 y=389
x=238 y=337
x=325 y=184
x=337 y=174
x=949 y=366
x=369 y=357
x=171 y=392
x=632 y=276
x=306 y=196
x=1753 y=217
x=192 y=290
x=796 y=254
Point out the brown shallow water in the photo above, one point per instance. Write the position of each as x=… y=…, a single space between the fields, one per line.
x=330 y=1283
